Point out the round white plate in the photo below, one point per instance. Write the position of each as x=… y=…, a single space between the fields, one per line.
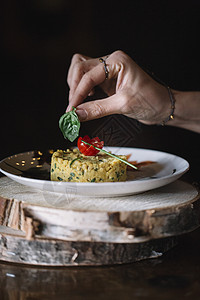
x=32 y=169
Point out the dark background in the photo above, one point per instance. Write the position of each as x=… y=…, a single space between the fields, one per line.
x=39 y=38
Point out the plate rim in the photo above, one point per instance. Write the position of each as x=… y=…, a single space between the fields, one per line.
x=178 y=173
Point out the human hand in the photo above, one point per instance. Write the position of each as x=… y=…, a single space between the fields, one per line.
x=130 y=90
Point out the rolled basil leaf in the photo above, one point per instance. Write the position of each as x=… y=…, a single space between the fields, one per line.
x=70 y=125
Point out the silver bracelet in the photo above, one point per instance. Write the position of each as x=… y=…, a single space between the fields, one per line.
x=171 y=116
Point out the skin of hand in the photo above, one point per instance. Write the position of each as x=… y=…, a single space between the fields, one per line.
x=130 y=91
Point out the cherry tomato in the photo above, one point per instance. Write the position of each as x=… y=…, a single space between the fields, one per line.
x=87 y=149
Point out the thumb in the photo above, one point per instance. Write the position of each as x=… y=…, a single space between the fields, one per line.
x=100 y=108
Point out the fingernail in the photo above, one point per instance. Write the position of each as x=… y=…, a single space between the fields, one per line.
x=82 y=114
x=68 y=108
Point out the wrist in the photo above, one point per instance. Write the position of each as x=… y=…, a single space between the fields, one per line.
x=187 y=110
x=172 y=101
x=160 y=101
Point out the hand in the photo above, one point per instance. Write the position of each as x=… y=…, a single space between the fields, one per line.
x=130 y=90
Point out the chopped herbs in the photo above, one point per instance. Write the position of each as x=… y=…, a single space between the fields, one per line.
x=117 y=174
x=77 y=158
x=59 y=178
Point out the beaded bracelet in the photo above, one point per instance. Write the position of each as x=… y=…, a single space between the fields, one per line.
x=171 y=116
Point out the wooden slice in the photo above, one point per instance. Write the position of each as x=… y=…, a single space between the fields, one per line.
x=39 y=227
x=47 y=252
x=164 y=212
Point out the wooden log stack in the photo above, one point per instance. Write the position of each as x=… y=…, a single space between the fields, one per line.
x=50 y=229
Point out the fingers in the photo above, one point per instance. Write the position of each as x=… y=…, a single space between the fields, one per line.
x=86 y=73
x=87 y=81
x=100 y=108
x=131 y=91
x=74 y=80
x=76 y=60
x=76 y=71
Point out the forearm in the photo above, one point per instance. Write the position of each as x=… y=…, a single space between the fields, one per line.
x=187 y=110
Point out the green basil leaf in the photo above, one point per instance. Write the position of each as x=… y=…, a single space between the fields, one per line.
x=70 y=125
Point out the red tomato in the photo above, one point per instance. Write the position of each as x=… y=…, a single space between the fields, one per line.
x=87 y=149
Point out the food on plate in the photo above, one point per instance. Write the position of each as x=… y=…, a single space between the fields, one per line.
x=73 y=166
x=88 y=149
x=88 y=163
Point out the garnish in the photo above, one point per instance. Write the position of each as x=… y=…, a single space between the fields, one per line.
x=89 y=149
x=77 y=158
x=112 y=155
x=70 y=125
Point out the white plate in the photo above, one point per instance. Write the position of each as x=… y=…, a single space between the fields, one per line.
x=32 y=169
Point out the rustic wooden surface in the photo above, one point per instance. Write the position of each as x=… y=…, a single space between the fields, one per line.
x=93 y=231
x=173 y=276
x=46 y=252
